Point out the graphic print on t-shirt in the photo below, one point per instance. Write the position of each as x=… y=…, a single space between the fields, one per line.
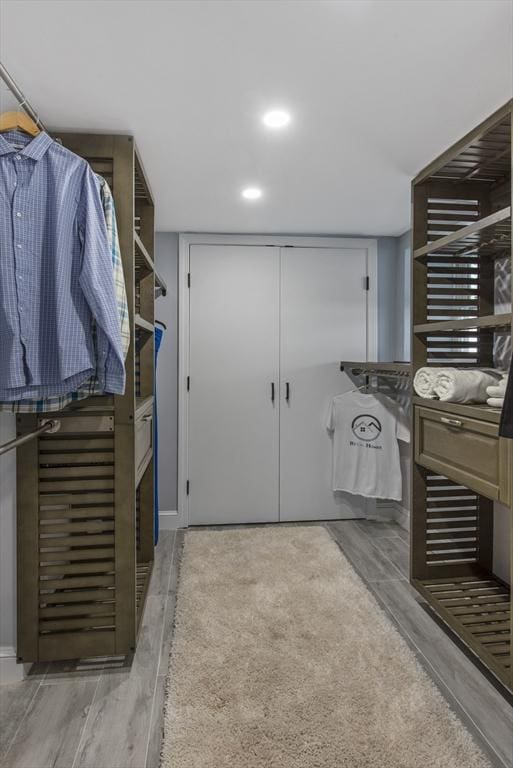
x=366 y=427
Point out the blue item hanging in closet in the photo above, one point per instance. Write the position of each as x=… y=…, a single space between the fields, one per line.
x=159 y=333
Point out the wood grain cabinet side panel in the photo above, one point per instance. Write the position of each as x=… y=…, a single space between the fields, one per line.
x=506 y=471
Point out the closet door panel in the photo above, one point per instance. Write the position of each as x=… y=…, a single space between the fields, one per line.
x=323 y=321
x=234 y=362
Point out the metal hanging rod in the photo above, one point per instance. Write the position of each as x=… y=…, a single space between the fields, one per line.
x=384 y=370
x=22 y=99
x=53 y=425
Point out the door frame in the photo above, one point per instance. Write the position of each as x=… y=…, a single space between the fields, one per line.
x=186 y=240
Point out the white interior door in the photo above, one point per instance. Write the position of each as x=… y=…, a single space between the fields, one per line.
x=233 y=461
x=323 y=321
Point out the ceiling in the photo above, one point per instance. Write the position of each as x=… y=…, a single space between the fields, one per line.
x=376 y=90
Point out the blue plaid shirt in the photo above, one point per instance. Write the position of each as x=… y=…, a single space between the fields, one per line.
x=55 y=274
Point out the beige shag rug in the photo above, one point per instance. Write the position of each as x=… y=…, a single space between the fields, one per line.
x=282 y=658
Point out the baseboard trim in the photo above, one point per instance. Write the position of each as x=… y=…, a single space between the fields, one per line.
x=10 y=670
x=170 y=520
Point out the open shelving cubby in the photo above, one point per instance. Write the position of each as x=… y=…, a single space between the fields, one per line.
x=461 y=237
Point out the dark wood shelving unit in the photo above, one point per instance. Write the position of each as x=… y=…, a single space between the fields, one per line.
x=86 y=493
x=461 y=224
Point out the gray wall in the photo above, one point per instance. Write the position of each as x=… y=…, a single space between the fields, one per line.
x=394 y=298
x=403 y=316
x=166 y=309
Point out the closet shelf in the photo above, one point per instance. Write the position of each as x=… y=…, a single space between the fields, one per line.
x=143 y=324
x=486 y=321
x=489 y=236
x=144 y=266
x=476 y=411
x=142 y=191
x=160 y=285
x=142 y=405
x=477 y=608
x=143 y=261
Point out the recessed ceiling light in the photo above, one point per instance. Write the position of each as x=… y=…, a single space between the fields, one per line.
x=252 y=193
x=276 y=118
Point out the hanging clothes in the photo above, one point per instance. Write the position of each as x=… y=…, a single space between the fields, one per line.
x=365 y=429
x=92 y=386
x=55 y=274
x=159 y=333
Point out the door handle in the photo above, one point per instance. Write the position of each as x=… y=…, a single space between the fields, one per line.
x=287 y=392
x=451 y=422
x=272 y=392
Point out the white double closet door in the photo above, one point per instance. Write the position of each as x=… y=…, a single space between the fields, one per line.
x=267 y=329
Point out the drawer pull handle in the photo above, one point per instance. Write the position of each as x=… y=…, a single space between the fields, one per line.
x=451 y=422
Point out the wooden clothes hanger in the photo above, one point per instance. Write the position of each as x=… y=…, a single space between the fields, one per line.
x=18 y=121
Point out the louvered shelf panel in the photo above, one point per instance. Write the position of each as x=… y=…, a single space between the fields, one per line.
x=491 y=234
x=488 y=321
x=142 y=580
x=142 y=190
x=483 y=155
x=76 y=542
x=478 y=609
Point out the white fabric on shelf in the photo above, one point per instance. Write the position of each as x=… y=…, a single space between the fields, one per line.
x=495 y=402
x=465 y=385
x=424 y=381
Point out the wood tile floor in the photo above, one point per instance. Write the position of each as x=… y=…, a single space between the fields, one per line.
x=107 y=713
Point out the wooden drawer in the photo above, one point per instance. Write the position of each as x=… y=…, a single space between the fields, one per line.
x=143 y=441
x=463 y=449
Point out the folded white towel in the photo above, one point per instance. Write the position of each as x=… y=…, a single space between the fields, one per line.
x=424 y=381
x=495 y=402
x=465 y=385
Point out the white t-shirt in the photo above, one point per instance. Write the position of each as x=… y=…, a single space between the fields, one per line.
x=365 y=430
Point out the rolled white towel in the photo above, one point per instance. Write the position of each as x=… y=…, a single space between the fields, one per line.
x=424 y=380
x=495 y=402
x=464 y=385
x=499 y=389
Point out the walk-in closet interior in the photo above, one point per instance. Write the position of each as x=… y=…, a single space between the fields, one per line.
x=256 y=389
